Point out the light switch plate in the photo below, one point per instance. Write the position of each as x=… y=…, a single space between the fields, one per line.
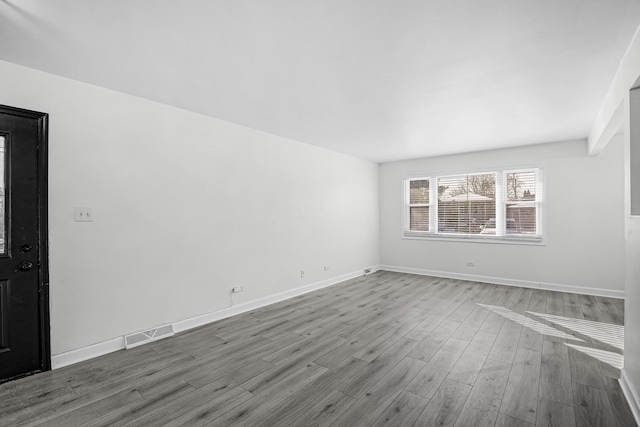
x=83 y=214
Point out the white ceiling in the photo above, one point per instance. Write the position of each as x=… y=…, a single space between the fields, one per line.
x=379 y=79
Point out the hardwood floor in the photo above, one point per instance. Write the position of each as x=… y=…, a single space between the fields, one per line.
x=383 y=349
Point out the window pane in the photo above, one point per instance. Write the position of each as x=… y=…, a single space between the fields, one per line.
x=419 y=218
x=419 y=191
x=521 y=186
x=521 y=218
x=465 y=203
x=521 y=206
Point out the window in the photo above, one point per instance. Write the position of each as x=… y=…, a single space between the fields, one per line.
x=499 y=205
x=520 y=202
x=465 y=202
x=418 y=204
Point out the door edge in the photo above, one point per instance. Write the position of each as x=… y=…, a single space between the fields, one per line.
x=42 y=123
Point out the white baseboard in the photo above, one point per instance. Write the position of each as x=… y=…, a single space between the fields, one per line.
x=508 y=282
x=99 y=349
x=194 y=322
x=85 y=353
x=631 y=394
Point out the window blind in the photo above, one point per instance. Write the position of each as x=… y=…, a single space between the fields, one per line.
x=465 y=202
x=521 y=190
x=419 y=205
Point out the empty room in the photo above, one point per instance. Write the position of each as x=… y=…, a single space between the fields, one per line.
x=319 y=213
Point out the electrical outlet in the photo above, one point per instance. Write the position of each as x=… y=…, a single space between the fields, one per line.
x=326 y=268
x=237 y=289
x=302 y=274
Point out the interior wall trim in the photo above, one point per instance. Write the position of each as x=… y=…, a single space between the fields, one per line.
x=631 y=394
x=508 y=282
x=205 y=319
x=85 y=353
x=99 y=349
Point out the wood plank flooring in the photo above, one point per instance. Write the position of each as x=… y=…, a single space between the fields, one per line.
x=384 y=349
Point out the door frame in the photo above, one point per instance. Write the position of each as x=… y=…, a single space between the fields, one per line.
x=42 y=124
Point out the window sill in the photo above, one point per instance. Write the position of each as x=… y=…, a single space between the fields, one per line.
x=476 y=238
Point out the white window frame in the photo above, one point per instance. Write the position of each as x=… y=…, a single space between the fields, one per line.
x=409 y=205
x=500 y=204
x=537 y=203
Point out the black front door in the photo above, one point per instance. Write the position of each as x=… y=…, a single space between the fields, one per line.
x=24 y=297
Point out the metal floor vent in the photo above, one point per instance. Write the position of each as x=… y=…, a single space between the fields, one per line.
x=155 y=334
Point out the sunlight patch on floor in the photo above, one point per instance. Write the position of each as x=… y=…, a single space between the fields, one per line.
x=530 y=322
x=606 y=333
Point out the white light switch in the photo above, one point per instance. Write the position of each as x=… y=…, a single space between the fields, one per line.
x=83 y=214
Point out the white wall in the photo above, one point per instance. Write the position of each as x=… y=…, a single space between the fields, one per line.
x=614 y=118
x=185 y=208
x=630 y=377
x=584 y=221
x=631 y=371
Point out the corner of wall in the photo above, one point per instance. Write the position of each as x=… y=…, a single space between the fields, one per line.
x=631 y=394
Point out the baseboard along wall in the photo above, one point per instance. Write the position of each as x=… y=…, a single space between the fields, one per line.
x=631 y=394
x=89 y=352
x=508 y=282
x=118 y=343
